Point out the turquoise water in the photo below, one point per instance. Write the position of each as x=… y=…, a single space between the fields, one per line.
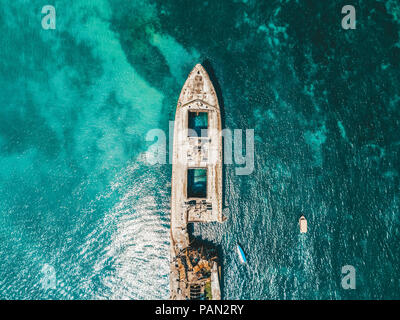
x=82 y=216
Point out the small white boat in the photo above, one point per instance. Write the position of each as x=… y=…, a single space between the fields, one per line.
x=303 y=224
x=240 y=252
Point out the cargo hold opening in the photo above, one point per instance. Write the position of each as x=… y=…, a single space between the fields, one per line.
x=198 y=122
x=197 y=183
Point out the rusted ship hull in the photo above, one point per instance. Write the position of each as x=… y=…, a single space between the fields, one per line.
x=196 y=189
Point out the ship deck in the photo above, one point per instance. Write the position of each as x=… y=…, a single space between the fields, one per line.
x=201 y=154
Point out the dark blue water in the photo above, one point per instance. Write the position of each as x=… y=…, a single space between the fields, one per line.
x=83 y=216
